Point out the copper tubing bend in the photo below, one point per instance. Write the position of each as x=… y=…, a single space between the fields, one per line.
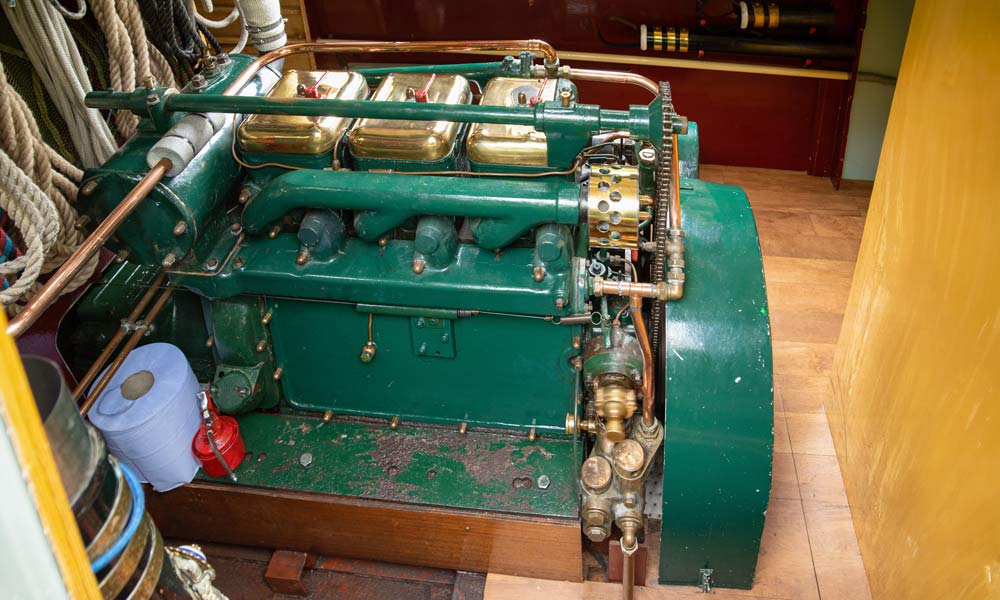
x=635 y=309
x=360 y=47
x=90 y=246
x=615 y=77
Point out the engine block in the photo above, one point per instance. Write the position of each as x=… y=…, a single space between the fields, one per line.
x=461 y=249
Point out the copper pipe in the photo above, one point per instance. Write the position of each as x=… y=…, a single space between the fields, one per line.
x=359 y=47
x=628 y=576
x=90 y=246
x=635 y=309
x=117 y=338
x=130 y=345
x=615 y=77
x=675 y=192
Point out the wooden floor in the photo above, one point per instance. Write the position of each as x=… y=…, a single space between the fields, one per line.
x=809 y=236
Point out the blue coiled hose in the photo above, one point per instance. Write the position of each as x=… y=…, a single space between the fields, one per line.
x=134 y=518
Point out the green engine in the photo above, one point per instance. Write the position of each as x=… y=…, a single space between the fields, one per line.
x=456 y=286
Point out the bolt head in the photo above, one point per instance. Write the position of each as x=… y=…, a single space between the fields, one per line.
x=418 y=265
x=239 y=262
x=306 y=459
x=538 y=273
x=560 y=303
x=212 y=264
x=235 y=228
x=543 y=482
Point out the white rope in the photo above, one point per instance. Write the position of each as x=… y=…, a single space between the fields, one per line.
x=236 y=13
x=50 y=47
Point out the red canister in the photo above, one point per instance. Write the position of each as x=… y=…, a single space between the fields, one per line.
x=225 y=432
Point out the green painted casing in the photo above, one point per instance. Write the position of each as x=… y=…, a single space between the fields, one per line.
x=99 y=313
x=473 y=369
x=477 y=279
x=502 y=209
x=687 y=151
x=719 y=419
x=480 y=470
x=192 y=197
x=243 y=378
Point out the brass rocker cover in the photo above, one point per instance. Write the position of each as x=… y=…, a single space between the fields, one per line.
x=411 y=140
x=496 y=143
x=302 y=135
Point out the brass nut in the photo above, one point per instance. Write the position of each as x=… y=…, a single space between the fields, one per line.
x=274 y=231
x=538 y=273
x=180 y=228
x=277 y=374
x=302 y=258
x=261 y=346
x=394 y=423
x=418 y=265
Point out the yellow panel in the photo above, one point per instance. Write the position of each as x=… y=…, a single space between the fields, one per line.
x=494 y=143
x=916 y=414
x=19 y=415
x=303 y=135
x=411 y=140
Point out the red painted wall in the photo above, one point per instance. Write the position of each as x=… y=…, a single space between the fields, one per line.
x=750 y=120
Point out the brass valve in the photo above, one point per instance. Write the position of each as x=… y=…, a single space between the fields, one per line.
x=615 y=404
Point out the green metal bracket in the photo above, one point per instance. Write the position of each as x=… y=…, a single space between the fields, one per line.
x=244 y=377
x=433 y=337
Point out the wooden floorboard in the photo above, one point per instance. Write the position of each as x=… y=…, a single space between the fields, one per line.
x=810 y=236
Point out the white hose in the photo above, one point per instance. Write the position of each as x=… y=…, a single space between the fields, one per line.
x=236 y=13
x=226 y=22
x=262 y=20
x=50 y=47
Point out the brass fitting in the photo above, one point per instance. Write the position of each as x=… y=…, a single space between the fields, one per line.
x=630 y=528
x=368 y=352
x=661 y=291
x=615 y=404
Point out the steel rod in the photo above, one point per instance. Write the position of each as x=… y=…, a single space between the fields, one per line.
x=130 y=345
x=95 y=368
x=57 y=283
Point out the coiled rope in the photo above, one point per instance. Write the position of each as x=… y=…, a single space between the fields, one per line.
x=50 y=47
x=131 y=59
x=37 y=187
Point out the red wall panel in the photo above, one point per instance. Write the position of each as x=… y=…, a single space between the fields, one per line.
x=750 y=120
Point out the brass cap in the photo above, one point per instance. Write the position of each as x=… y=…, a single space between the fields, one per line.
x=596 y=474
x=629 y=457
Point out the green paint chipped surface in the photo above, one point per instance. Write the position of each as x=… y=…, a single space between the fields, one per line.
x=418 y=465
